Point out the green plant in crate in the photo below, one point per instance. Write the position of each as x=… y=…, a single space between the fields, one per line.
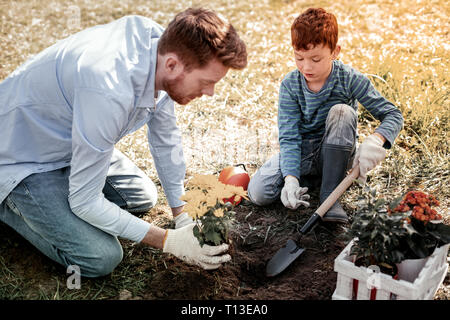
x=387 y=233
x=378 y=234
x=213 y=217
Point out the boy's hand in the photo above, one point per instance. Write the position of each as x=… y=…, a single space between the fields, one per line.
x=292 y=195
x=184 y=245
x=369 y=154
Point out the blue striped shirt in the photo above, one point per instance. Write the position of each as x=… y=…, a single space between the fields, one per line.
x=302 y=112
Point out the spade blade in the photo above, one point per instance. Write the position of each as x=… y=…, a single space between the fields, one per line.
x=283 y=258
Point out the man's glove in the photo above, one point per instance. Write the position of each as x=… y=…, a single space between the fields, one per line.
x=292 y=195
x=369 y=154
x=184 y=245
x=182 y=220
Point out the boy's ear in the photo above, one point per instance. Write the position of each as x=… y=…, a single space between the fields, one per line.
x=336 y=52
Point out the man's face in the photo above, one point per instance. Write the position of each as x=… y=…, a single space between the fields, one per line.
x=193 y=84
x=315 y=63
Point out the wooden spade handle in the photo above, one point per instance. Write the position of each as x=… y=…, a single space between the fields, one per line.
x=332 y=198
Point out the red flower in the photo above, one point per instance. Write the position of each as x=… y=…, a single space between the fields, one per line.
x=420 y=204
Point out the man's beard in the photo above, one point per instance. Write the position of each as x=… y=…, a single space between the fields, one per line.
x=172 y=89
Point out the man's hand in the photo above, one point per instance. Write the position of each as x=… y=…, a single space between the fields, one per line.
x=184 y=245
x=182 y=220
x=369 y=154
x=292 y=195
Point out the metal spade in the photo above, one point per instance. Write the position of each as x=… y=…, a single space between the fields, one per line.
x=287 y=254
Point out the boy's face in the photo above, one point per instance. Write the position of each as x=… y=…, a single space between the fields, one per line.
x=315 y=63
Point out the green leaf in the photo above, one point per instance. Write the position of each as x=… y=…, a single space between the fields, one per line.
x=199 y=235
x=373 y=234
x=394 y=203
x=196 y=231
x=418 y=246
x=380 y=203
x=213 y=237
x=397 y=256
x=440 y=231
x=409 y=228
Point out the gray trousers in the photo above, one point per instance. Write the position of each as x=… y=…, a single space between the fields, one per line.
x=340 y=129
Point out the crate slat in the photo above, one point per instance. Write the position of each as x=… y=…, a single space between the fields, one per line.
x=424 y=286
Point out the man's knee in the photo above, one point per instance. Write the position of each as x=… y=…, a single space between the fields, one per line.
x=100 y=260
x=128 y=186
x=107 y=263
x=144 y=199
x=139 y=196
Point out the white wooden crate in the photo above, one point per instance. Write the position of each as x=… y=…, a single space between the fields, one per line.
x=424 y=286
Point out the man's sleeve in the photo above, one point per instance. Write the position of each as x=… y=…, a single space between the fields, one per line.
x=97 y=123
x=379 y=107
x=166 y=147
x=289 y=132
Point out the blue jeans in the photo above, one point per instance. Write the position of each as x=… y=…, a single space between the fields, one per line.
x=39 y=210
x=340 y=129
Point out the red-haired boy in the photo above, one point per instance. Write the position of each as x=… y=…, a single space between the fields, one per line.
x=317 y=121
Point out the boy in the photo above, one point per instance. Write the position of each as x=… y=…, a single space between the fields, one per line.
x=317 y=121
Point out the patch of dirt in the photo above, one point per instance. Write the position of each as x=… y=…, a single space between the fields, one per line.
x=258 y=234
x=26 y=272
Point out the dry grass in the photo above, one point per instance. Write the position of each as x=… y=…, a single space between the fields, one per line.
x=404 y=45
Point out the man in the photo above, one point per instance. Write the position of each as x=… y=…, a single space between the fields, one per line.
x=63 y=185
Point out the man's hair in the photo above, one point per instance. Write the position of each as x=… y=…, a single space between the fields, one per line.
x=198 y=35
x=314 y=26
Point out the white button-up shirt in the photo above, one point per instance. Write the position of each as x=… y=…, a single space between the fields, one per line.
x=71 y=103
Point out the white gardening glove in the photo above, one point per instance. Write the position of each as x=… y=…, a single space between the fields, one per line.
x=184 y=245
x=369 y=154
x=292 y=195
x=182 y=220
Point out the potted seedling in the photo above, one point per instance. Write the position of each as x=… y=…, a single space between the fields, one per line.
x=376 y=235
x=205 y=204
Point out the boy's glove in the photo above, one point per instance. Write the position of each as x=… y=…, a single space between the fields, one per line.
x=184 y=245
x=292 y=195
x=182 y=220
x=369 y=154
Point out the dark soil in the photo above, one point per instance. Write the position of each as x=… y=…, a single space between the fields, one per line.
x=258 y=234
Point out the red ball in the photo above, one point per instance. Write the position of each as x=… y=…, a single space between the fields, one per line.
x=235 y=176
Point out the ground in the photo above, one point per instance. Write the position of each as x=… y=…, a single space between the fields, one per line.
x=256 y=237
x=147 y=274
x=311 y=276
